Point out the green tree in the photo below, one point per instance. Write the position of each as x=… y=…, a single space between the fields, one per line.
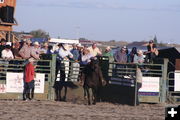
x=82 y=39
x=155 y=40
x=40 y=33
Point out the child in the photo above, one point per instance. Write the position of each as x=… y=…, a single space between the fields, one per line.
x=29 y=75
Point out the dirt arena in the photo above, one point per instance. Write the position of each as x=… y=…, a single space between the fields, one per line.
x=51 y=110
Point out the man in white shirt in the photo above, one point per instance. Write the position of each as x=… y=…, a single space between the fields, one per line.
x=7 y=53
x=62 y=64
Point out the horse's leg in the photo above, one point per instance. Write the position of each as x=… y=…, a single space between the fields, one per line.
x=85 y=95
x=60 y=89
x=57 y=94
x=94 y=95
x=65 y=93
x=88 y=95
x=98 y=94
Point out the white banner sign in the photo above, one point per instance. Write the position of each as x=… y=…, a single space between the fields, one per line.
x=150 y=84
x=177 y=81
x=39 y=83
x=2 y=88
x=15 y=84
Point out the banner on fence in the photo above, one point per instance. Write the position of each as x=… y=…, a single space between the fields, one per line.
x=2 y=88
x=150 y=84
x=14 y=82
x=177 y=81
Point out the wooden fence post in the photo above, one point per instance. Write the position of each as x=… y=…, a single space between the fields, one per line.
x=164 y=81
x=52 y=80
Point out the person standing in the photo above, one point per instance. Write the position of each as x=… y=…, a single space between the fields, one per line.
x=35 y=51
x=121 y=56
x=132 y=54
x=25 y=51
x=139 y=58
x=94 y=50
x=108 y=67
x=45 y=48
x=75 y=63
x=7 y=53
x=29 y=74
x=15 y=50
x=63 y=55
x=2 y=46
x=152 y=51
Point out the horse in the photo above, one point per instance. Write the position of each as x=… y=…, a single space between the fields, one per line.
x=93 y=79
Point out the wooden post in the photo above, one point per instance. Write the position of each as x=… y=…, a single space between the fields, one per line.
x=135 y=88
x=52 y=80
x=164 y=81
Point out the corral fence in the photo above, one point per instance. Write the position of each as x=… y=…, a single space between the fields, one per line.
x=173 y=89
x=121 y=78
x=11 y=78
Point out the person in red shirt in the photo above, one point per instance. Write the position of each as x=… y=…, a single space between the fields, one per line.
x=29 y=75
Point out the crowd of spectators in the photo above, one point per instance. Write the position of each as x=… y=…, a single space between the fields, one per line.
x=76 y=52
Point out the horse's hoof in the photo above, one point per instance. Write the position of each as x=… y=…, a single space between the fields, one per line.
x=94 y=103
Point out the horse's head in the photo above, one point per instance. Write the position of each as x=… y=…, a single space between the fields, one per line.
x=94 y=63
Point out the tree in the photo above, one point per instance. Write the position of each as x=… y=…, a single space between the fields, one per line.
x=40 y=33
x=83 y=39
x=155 y=40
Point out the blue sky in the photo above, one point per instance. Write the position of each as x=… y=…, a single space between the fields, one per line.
x=127 y=20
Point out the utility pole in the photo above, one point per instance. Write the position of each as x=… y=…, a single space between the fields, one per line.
x=77 y=32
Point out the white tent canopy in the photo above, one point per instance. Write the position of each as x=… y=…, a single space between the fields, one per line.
x=66 y=41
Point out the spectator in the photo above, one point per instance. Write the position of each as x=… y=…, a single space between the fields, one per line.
x=139 y=58
x=152 y=51
x=85 y=47
x=86 y=57
x=15 y=50
x=75 y=65
x=121 y=56
x=25 y=51
x=132 y=54
x=109 y=66
x=50 y=50
x=35 y=51
x=80 y=49
x=127 y=51
x=94 y=50
x=75 y=53
x=44 y=50
x=7 y=53
x=29 y=75
x=62 y=55
x=108 y=53
x=2 y=46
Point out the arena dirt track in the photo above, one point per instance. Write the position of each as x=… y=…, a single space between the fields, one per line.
x=51 y=110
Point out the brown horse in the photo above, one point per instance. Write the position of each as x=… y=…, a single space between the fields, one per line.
x=93 y=78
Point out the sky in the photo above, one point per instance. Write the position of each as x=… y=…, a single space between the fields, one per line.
x=103 y=20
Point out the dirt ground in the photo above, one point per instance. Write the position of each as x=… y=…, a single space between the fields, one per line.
x=52 y=110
